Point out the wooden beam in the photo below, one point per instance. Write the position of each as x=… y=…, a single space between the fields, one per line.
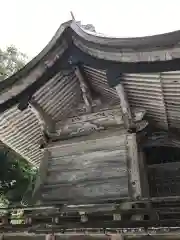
x=85 y=90
x=91 y=122
x=127 y=115
x=133 y=166
x=44 y=119
x=41 y=176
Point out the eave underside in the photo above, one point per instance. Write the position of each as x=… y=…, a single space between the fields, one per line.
x=148 y=70
x=158 y=94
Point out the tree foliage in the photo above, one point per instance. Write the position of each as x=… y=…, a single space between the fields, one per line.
x=11 y=60
x=15 y=173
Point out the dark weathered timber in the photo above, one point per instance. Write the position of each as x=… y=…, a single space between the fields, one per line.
x=164 y=179
x=143 y=173
x=133 y=167
x=40 y=179
x=126 y=110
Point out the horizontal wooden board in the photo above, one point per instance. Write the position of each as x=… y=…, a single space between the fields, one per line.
x=90 y=169
x=109 y=188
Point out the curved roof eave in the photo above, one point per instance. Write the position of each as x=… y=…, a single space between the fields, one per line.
x=153 y=41
x=154 y=49
x=137 y=43
x=6 y=83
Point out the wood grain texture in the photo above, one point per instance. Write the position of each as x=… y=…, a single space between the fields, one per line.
x=98 y=120
x=88 y=169
x=41 y=176
x=126 y=110
x=133 y=166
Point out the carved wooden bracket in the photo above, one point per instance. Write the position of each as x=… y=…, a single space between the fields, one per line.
x=89 y=123
x=97 y=121
x=85 y=90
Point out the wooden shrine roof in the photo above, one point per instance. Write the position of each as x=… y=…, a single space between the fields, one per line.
x=148 y=67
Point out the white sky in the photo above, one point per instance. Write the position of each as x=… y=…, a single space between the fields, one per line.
x=30 y=24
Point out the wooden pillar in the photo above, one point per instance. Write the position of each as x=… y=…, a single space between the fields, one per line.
x=126 y=111
x=41 y=176
x=133 y=167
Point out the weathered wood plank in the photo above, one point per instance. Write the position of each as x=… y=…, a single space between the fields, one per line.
x=96 y=121
x=81 y=159
x=41 y=176
x=115 y=138
x=126 y=110
x=90 y=172
x=84 y=192
x=85 y=170
x=89 y=123
x=133 y=166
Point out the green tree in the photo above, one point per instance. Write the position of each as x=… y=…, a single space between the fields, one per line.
x=11 y=60
x=16 y=174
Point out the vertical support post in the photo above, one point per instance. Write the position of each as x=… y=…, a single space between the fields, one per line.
x=133 y=167
x=41 y=176
x=127 y=115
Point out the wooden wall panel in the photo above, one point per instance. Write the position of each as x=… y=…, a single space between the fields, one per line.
x=85 y=170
